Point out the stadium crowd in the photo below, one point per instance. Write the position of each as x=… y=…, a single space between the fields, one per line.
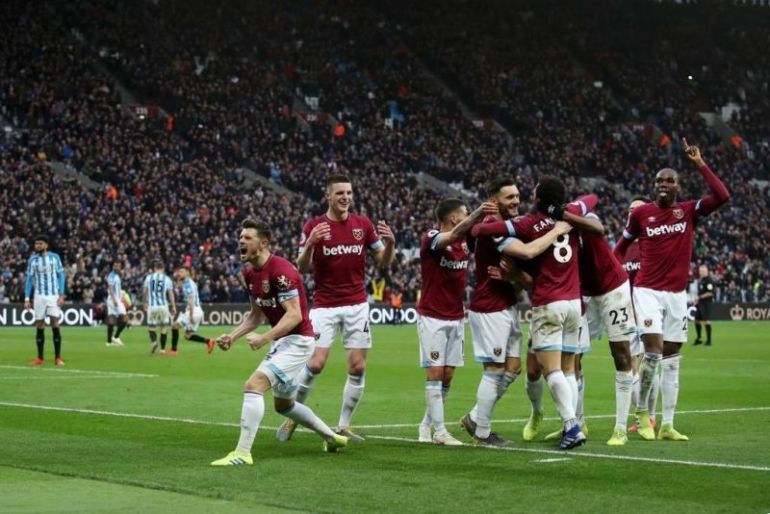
x=230 y=80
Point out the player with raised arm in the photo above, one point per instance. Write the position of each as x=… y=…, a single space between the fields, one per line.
x=441 y=324
x=45 y=277
x=632 y=264
x=556 y=291
x=116 y=309
x=665 y=230
x=191 y=315
x=334 y=246
x=276 y=293
x=493 y=315
x=158 y=297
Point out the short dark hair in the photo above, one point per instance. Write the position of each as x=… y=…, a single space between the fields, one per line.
x=496 y=184
x=337 y=179
x=446 y=207
x=263 y=230
x=43 y=238
x=157 y=264
x=551 y=191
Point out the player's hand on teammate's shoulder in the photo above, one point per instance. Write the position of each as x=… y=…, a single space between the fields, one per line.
x=385 y=232
x=693 y=152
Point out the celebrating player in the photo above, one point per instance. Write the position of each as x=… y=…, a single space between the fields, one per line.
x=45 y=276
x=632 y=264
x=192 y=315
x=556 y=292
x=493 y=316
x=606 y=292
x=335 y=245
x=276 y=293
x=665 y=230
x=441 y=327
x=116 y=309
x=158 y=295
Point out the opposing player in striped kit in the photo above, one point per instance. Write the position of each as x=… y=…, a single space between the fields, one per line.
x=158 y=297
x=45 y=276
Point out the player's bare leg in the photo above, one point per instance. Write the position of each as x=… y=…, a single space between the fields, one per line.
x=352 y=392
x=670 y=390
x=650 y=366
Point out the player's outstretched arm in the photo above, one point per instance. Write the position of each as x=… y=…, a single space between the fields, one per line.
x=447 y=238
x=520 y=250
x=719 y=192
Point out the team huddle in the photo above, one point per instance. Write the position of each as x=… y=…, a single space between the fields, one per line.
x=580 y=289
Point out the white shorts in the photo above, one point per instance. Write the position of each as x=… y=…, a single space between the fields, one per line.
x=190 y=325
x=158 y=315
x=556 y=326
x=46 y=306
x=286 y=358
x=613 y=312
x=441 y=342
x=115 y=310
x=496 y=335
x=662 y=312
x=584 y=339
x=351 y=320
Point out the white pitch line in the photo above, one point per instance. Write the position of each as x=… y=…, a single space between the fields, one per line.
x=82 y=377
x=557 y=459
x=598 y=416
x=414 y=441
x=572 y=453
x=87 y=371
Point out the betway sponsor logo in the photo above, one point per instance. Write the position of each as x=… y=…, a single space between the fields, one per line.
x=632 y=266
x=343 y=250
x=666 y=229
x=447 y=263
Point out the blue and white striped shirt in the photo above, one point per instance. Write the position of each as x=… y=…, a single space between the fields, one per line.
x=189 y=289
x=113 y=285
x=45 y=274
x=157 y=286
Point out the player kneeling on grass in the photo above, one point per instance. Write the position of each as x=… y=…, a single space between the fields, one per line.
x=192 y=315
x=276 y=293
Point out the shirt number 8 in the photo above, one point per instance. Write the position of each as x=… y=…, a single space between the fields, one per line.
x=562 y=251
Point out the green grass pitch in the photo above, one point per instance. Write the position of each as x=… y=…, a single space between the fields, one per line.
x=118 y=431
